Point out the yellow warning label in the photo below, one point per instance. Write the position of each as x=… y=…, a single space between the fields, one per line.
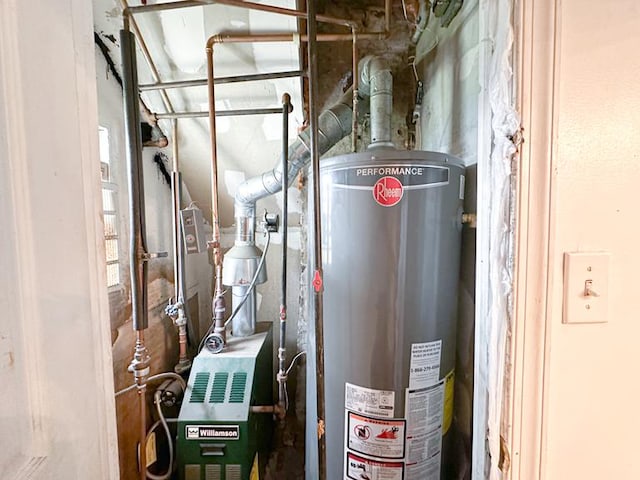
x=151 y=454
x=255 y=470
x=448 y=402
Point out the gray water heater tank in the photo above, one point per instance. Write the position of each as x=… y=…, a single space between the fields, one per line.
x=391 y=224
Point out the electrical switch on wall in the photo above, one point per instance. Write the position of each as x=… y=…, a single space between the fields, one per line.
x=586 y=287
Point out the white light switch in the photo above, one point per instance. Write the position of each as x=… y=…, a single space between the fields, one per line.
x=586 y=287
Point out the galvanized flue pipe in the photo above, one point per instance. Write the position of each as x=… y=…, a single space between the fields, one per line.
x=220 y=113
x=202 y=82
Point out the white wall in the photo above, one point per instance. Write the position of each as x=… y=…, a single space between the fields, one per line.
x=575 y=409
x=449 y=65
x=58 y=422
x=591 y=417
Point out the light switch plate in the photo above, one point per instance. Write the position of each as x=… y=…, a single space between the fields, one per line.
x=586 y=287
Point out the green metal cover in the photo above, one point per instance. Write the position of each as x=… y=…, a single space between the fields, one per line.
x=215 y=425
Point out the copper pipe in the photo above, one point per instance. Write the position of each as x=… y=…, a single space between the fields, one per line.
x=219 y=304
x=263 y=409
x=317 y=237
x=214 y=150
x=182 y=342
x=140 y=368
x=294 y=37
x=284 y=11
x=356 y=82
x=273 y=409
x=142 y=390
x=130 y=22
x=235 y=3
x=387 y=16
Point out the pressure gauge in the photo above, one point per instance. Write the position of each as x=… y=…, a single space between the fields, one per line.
x=214 y=343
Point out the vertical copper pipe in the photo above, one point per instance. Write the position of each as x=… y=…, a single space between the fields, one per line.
x=182 y=342
x=214 y=150
x=140 y=368
x=317 y=242
x=219 y=304
x=387 y=16
x=356 y=81
x=142 y=402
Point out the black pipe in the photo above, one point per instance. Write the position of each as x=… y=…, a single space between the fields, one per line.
x=202 y=82
x=317 y=235
x=282 y=350
x=133 y=135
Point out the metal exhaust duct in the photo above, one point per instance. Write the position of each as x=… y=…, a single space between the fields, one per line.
x=376 y=82
x=241 y=262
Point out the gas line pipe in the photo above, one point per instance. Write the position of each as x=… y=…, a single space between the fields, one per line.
x=281 y=377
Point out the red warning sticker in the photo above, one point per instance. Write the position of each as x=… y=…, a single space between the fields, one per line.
x=388 y=191
x=382 y=438
x=360 y=468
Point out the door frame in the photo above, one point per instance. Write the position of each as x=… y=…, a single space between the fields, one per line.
x=535 y=71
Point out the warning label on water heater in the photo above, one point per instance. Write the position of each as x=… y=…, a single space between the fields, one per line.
x=424 y=412
x=378 y=403
x=381 y=438
x=360 y=468
x=424 y=369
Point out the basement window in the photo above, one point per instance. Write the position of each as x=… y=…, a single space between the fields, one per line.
x=109 y=211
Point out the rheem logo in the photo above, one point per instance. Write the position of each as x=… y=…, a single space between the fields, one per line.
x=388 y=191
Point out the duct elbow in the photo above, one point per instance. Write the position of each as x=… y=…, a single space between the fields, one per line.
x=376 y=81
x=367 y=64
x=333 y=125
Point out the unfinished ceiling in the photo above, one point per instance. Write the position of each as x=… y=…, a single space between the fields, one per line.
x=176 y=39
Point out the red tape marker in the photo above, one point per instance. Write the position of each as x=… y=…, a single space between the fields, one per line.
x=317 y=281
